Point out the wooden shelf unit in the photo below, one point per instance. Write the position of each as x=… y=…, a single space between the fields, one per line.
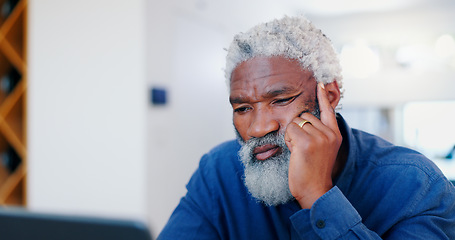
x=13 y=93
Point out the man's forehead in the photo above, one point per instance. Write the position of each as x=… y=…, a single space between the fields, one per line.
x=261 y=89
x=279 y=88
x=267 y=65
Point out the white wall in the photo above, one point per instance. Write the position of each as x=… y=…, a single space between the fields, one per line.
x=186 y=57
x=95 y=147
x=87 y=107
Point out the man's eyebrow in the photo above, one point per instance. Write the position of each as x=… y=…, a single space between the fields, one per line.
x=270 y=94
x=237 y=100
x=277 y=92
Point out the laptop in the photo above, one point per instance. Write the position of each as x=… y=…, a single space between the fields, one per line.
x=21 y=224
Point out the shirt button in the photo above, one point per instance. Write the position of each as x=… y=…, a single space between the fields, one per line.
x=320 y=224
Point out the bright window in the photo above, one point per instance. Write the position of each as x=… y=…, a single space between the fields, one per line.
x=429 y=127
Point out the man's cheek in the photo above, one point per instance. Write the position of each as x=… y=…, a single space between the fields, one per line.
x=288 y=117
x=238 y=130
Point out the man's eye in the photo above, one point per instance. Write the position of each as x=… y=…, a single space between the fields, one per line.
x=284 y=100
x=242 y=109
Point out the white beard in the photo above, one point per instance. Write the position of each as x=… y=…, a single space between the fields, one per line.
x=267 y=180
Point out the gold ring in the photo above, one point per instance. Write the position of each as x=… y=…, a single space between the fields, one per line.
x=303 y=123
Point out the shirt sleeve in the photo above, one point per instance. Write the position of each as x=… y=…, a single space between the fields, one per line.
x=331 y=217
x=430 y=216
x=190 y=220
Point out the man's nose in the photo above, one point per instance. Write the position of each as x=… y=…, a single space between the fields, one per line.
x=263 y=122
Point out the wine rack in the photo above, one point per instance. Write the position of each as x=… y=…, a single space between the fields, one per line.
x=13 y=86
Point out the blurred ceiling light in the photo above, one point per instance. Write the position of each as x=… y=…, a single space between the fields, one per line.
x=417 y=57
x=433 y=139
x=445 y=46
x=358 y=60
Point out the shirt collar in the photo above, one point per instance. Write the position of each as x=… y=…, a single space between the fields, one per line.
x=343 y=181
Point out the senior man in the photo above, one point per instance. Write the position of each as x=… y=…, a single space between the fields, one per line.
x=297 y=170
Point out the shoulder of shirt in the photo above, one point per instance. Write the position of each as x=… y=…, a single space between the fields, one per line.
x=374 y=150
x=231 y=146
x=223 y=155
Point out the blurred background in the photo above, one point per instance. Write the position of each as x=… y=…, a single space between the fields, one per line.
x=119 y=99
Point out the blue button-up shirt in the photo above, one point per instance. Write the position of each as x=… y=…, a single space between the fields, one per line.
x=384 y=191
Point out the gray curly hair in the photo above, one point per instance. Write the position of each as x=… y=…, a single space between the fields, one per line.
x=291 y=37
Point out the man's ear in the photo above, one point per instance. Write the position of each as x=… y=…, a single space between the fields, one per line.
x=333 y=93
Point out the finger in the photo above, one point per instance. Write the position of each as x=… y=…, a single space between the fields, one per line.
x=328 y=117
x=301 y=122
x=318 y=127
x=293 y=129
x=315 y=122
x=305 y=125
x=294 y=132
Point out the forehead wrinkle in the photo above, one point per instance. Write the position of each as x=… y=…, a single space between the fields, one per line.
x=270 y=92
x=266 y=73
x=237 y=100
x=286 y=89
x=267 y=95
x=245 y=95
x=264 y=78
